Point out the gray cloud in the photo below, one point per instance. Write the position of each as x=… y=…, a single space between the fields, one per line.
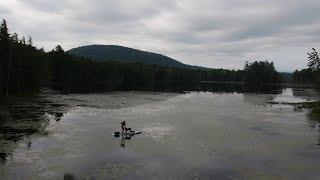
x=3 y=10
x=213 y=33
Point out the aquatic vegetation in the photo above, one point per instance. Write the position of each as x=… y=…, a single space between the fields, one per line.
x=23 y=117
x=313 y=113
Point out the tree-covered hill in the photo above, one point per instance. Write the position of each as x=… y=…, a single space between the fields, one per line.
x=103 y=53
x=25 y=68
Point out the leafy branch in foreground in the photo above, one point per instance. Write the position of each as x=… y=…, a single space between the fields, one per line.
x=314 y=60
x=314 y=64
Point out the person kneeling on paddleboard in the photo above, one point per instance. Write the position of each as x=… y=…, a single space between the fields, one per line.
x=123 y=126
x=128 y=129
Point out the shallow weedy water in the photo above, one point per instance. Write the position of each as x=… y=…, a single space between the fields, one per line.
x=195 y=135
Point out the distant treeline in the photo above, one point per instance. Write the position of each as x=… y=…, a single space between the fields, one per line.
x=25 y=68
x=304 y=76
x=310 y=75
x=260 y=73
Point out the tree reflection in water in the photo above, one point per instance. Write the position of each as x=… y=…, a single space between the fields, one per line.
x=23 y=117
x=313 y=115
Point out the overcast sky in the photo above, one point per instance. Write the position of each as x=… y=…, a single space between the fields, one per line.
x=211 y=33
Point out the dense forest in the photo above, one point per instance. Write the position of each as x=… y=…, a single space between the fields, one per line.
x=22 y=66
x=304 y=76
x=25 y=68
x=310 y=75
x=260 y=73
x=104 y=53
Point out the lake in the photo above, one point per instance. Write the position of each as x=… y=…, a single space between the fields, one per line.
x=189 y=135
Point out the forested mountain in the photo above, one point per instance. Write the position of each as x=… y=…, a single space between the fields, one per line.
x=26 y=69
x=102 y=53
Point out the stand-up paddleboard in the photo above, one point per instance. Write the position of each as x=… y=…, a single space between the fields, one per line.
x=117 y=133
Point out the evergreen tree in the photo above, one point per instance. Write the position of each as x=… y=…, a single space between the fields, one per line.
x=29 y=42
x=24 y=68
x=260 y=73
x=4 y=57
x=314 y=64
x=314 y=60
x=59 y=49
x=23 y=41
x=14 y=38
x=304 y=76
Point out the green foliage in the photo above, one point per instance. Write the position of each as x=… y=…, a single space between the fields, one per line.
x=313 y=113
x=314 y=65
x=310 y=75
x=4 y=32
x=4 y=57
x=24 y=68
x=260 y=73
x=314 y=60
x=304 y=76
x=71 y=73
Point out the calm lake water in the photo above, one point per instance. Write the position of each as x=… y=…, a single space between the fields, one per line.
x=191 y=135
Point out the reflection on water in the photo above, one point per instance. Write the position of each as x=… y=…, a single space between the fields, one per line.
x=23 y=117
x=222 y=132
x=124 y=138
x=287 y=97
x=68 y=176
x=313 y=116
x=30 y=116
x=207 y=86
